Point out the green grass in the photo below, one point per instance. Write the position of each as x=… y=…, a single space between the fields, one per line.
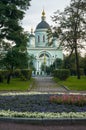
x=74 y=84
x=16 y=85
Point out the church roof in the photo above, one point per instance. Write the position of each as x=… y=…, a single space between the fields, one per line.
x=32 y=35
x=43 y=24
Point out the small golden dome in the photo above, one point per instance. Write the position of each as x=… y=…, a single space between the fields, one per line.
x=31 y=30
x=43 y=13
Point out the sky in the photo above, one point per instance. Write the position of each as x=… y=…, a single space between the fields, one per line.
x=33 y=15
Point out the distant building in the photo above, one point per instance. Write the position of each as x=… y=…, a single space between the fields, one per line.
x=39 y=47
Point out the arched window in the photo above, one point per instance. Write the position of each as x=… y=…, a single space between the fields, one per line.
x=38 y=38
x=43 y=38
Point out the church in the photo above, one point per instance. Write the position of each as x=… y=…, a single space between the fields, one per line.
x=38 y=46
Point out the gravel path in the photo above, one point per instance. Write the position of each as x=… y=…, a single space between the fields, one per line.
x=46 y=84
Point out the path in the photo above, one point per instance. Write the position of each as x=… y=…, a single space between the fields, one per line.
x=22 y=126
x=46 y=84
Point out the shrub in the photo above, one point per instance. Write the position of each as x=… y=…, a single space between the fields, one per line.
x=74 y=72
x=81 y=71
x=62 y=74
x=17 y=73
x=1 y=77
x=23 y=74
x=29 y=74
x=26 y=74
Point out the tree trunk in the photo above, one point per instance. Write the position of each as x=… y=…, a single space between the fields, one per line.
x=8 y=78
x=9 y=75
x=77 y=63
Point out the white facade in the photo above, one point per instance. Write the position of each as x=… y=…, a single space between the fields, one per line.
x=38 y=46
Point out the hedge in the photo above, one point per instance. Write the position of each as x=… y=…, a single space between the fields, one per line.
x=23 y=74
x=74 y=72
x=62 y=74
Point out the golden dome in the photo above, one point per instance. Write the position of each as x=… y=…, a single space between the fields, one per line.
x=31 y=30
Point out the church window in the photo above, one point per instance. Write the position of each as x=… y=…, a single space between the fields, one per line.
x=38 y=38
x=43 y=38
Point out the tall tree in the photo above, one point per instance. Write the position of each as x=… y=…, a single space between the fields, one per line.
x=11 y=12
x=72 y=26
x=14 y=59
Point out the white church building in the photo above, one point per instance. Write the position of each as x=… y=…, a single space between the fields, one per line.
x=38 y=46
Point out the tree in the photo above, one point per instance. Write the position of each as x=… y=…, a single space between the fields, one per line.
x=11 y=12
x=83 y=63
x=70 y=63
x=72 y=26
x=58 y=63
x=14 y=59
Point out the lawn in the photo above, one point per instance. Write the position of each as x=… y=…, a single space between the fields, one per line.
x=73 y=83
x=16 y=84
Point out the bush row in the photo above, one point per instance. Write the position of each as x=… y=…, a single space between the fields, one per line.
x=73 y=72
x=62 y=74
x=23 y=74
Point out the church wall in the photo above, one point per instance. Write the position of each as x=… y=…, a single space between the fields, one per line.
x=42 y=40
x=52 y=52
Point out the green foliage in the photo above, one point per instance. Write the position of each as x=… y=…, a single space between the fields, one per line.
x=30 y=62
x=23 y=74
x=16 y=73
x=62 y=74
x=1 y=77
x=11 y=12
x=72 y=28
x=83 y=63
x=58 y=63
x=14 y=58
x=26 y=74
x=69 y=62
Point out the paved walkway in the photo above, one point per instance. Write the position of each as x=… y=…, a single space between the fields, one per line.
x=46 y=84
x=16 y=126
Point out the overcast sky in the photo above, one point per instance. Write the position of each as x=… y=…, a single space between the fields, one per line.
x=33 y=15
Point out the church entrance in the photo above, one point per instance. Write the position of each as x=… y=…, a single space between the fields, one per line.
x=44 y=61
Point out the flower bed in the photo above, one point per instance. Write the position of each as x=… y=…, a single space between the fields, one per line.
x=79 y=100
x=38 y=106
x=42 y=114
